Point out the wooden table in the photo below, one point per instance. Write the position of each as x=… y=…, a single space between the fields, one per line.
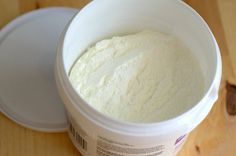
x=216 y=136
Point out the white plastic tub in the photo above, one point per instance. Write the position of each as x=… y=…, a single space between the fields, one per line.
x=95 y=134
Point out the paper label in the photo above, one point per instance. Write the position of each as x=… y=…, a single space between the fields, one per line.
x=108 y=147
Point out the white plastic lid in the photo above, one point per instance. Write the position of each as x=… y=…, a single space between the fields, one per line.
x=28 y=93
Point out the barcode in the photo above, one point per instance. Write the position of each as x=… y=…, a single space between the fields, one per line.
x=79 y=139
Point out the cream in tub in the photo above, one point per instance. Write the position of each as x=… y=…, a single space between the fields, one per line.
x=94 y=133
x=144 y=77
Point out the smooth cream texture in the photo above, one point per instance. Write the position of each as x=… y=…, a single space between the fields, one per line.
x=145 y=77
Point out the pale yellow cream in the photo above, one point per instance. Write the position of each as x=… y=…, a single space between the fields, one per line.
x=145 y=77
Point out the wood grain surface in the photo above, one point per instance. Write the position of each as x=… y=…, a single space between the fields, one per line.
x=215 y=136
